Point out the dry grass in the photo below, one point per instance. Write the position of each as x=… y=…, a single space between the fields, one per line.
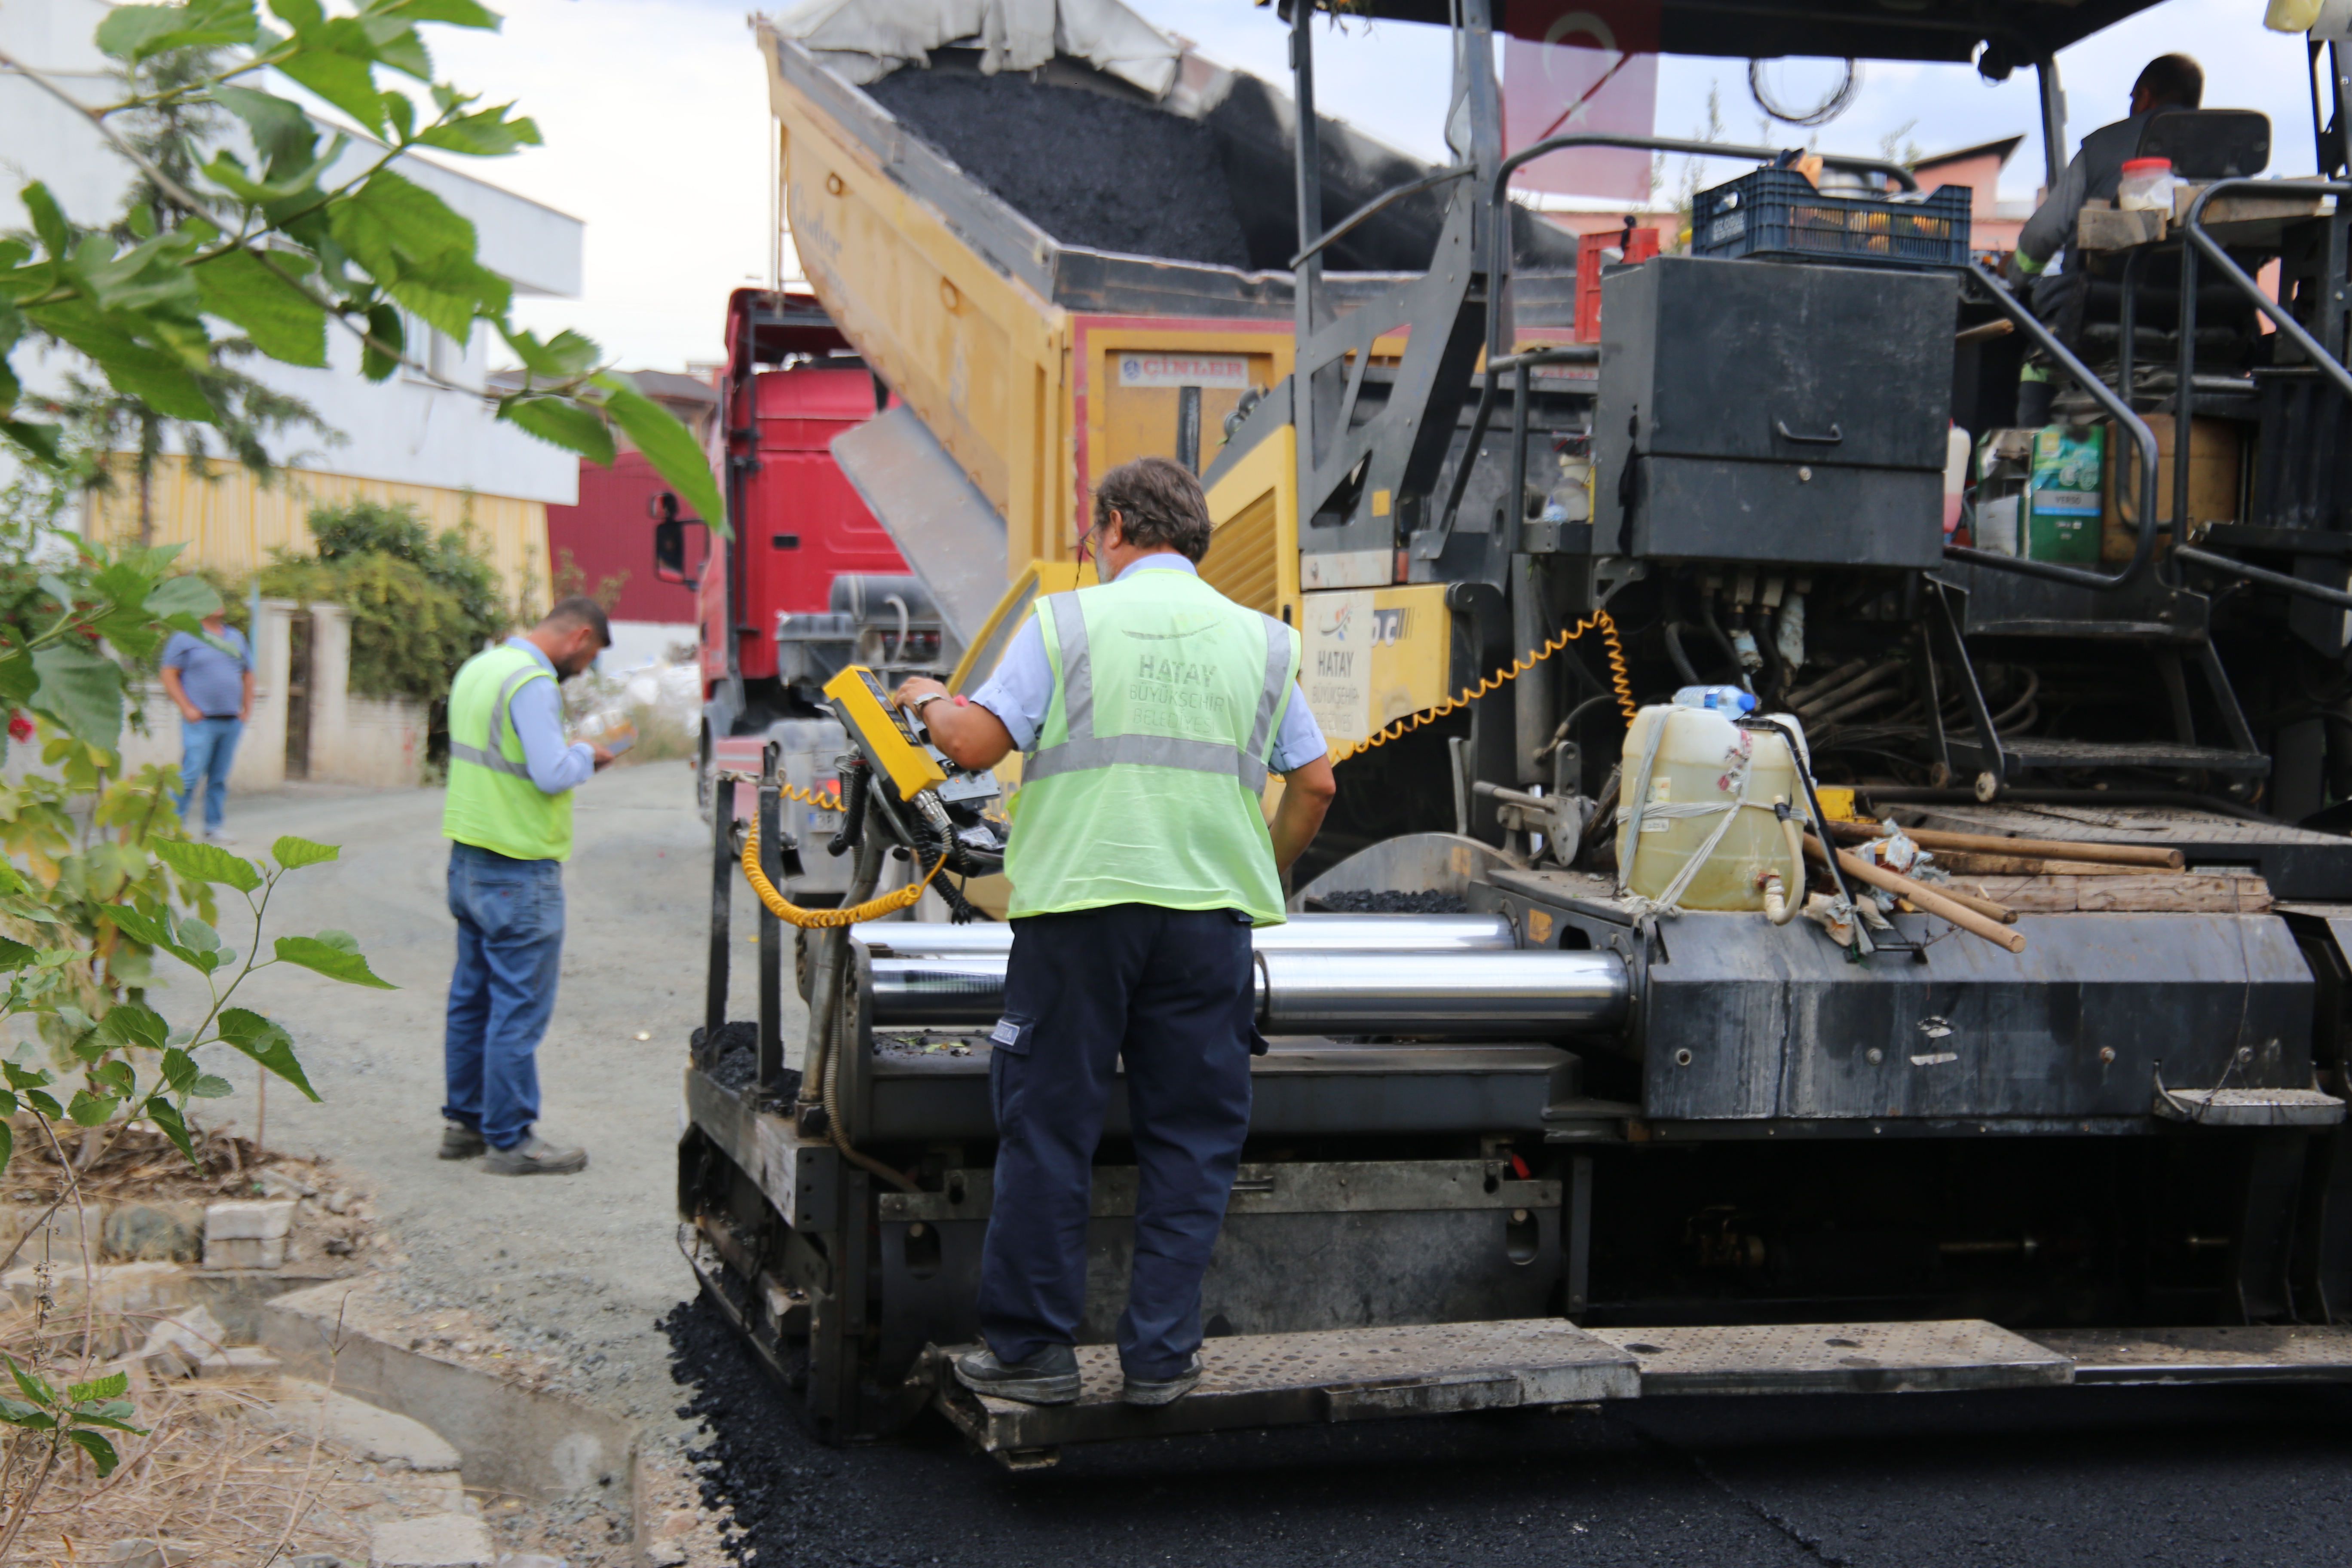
x=211 y=1479
x=115 y=1162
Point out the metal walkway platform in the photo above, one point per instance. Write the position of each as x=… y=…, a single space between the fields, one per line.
x=1288 y=1380
x=2257 y=1353
x=1839 y=1358
x=1360 y=1374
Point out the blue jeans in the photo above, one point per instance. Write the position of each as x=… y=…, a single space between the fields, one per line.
x=207 y=747
x=509 y=947
x=1170 y=992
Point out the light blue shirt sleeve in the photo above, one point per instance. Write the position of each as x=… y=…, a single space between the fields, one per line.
x=1022 y=688
x=1298 y=739
x=537 y=712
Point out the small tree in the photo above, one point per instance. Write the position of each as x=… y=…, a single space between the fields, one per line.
x=420 y=605
x=246 y=413
x=303 y=238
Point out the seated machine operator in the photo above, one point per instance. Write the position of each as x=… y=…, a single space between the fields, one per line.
x=2170 y=83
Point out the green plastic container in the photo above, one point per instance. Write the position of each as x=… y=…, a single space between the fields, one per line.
x=2066 y=497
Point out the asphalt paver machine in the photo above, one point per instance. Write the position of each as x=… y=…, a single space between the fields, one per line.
x=2012 y=1055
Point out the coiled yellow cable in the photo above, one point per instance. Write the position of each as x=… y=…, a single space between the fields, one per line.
x=1620 y=680
x=791 y=913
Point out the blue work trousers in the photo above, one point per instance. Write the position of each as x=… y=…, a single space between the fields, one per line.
x=207 y=747
x=510 y=949
x=1171 y=993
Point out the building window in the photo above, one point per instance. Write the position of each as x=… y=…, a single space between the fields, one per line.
x=433 y=358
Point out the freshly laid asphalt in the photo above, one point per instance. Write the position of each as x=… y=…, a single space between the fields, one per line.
x=2078 y=1477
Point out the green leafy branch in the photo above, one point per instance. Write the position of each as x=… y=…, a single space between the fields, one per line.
x=107 y=1047
x=281 y=248
x=79 y=1416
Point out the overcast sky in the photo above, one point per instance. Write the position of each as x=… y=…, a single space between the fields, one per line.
x=656 y=120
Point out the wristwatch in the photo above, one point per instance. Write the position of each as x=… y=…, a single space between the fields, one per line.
x=917 y=705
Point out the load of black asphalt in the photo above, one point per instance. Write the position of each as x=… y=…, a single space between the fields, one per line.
x=1089 y=169
x=733 y=1060
x=1362 y=901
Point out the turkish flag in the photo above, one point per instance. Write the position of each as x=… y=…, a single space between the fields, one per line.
x=1581 y=65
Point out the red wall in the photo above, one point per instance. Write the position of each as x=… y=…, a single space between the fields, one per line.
x=610 y=533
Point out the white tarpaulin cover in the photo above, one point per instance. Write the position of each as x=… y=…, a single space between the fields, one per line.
x=865 y=40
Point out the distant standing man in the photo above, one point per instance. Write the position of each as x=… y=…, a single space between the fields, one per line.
x=1149 y=710
x=211 y=683
x=508 y=819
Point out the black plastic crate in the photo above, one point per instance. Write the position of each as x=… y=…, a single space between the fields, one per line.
x=1777 y=211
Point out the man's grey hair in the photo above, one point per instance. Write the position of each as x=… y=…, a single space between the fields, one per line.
x=1159 y=506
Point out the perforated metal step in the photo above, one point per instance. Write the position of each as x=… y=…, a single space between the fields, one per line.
x=1838 y=1358
x=1279 y=1380
x=2256 y=1353
x=2248 y=1107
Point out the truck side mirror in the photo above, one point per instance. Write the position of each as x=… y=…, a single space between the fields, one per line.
x=669 y=551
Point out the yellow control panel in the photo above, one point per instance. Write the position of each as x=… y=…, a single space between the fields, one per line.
x=882 y=731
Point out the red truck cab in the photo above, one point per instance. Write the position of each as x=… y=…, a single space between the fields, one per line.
x=792 y=385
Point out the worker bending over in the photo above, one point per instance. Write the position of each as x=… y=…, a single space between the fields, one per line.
x=1149 y=711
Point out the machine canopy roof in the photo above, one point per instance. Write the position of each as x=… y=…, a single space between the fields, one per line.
x=1766 y=29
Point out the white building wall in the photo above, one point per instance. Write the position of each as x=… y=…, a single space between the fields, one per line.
x=406 y=430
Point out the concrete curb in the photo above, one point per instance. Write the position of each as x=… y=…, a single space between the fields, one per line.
x=509 y=1439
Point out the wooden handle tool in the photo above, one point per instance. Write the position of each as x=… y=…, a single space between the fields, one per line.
x=1932 y=901
x=2025 y=848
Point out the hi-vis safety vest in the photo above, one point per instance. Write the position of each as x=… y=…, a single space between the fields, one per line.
x=1144 y=783
x=491 y=803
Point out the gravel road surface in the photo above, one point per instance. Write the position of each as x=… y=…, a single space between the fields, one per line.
x=585 y=1268
x=580 y=1266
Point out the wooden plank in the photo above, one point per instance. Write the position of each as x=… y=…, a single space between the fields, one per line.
x=2246 y=206
x=2190 y=893
x=2028 y=848
x=1961 y=862
x=2108 y=228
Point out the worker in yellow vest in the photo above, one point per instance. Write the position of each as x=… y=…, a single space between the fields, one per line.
x=1149 y=711
x=508 y=819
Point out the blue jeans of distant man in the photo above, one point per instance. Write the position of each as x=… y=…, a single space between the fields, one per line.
x=207 y=747
x=509 y=948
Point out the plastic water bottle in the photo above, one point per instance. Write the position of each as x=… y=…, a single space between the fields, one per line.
x=1726 y=699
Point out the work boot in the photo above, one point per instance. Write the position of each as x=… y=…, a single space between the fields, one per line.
x=1047 y=1375
x=1162 y=1390
x=535 y=1156
x=460 y=1142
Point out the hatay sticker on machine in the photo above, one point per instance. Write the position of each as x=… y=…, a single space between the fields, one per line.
x=1357 y=666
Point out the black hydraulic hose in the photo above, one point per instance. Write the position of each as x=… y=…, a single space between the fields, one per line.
x=1768 y=650
x=1682 y=660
